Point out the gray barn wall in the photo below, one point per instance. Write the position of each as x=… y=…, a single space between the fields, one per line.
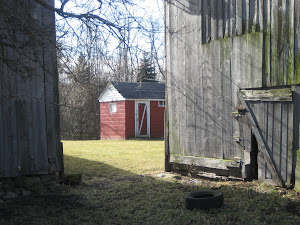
x=29 y=114
x=214 y=48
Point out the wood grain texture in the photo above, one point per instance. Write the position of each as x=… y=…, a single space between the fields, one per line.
x=218 y=50
x=29 y=82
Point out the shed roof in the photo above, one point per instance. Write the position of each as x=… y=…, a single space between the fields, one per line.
x=143 y=90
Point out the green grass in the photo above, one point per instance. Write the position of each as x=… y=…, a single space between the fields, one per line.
x=120 y=186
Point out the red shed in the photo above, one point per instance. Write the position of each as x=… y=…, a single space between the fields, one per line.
x=130 y=110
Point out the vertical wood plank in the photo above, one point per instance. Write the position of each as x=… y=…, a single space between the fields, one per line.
x=171 y=87
x=226 y=96
x=294 y=131
x=255 y=43
x=281 y=42
x=226 y=18
x=253 y=12
x=269 y=134
x=285 y=133
x=39 y=107
x=12 y=147
x=291 y=137
x=220 y=19
x=208 y=21
x=167 y=85
x=181 y=79
x=266 y=80
x=236 y=85
x=2 y=149
x=23 y=99
x=245 y=55
x=290 y=46
x=176 y=66
x=274 y=43
x=277 y=135
x=51 y=92
x=245 y=16
x=297 y=41
x=232 y=18
x=206 y=71
x=216 y=102
x=239 y=17
x=206 y=84
x=214 y=19
x=199 y=103
x=260 y=16
x=191 y=44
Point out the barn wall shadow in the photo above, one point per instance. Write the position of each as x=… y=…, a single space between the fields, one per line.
x=104 y=183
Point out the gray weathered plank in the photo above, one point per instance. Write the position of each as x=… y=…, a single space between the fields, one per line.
x=284 y=147
x=253 y=15
x=220 y=19
x=192 y=38
x=226 y=98
x=232 y=18
x=215 y=100
x=180 y=78
x=274 y=43
x=174 y=123
x=2 y=155
x=239 y=17
x=297 y=42
x=290 y=47
x=204 y=162
x=263 y=147
x=266 y=80
x=214 y=20
x=226 y=18
x=12 y=144
x=269 y=124
x=39 y=108
x=245 y=16
x=277 y=135
x=51 y=92
x=260 y=15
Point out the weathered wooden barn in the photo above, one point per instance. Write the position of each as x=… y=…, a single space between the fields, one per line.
x=29 y=113
x=233 y=87
x=129 y=110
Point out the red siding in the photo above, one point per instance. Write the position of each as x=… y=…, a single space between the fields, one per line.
x=156 y=120
x=130 y=119
x=121 y=124
x=112 y=125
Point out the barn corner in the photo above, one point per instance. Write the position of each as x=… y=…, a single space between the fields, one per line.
x=29 y=106
x=233 y=89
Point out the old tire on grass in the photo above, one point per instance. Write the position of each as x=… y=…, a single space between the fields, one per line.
x=204 y=200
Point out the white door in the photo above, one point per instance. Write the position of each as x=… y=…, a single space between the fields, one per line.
x=142 y=119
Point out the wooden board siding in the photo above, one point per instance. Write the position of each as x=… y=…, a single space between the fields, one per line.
x=216 y=48
x=111 y=94
x=156 y=120
x=274 y=123
x=112 y=124
x=130 y=119
x=29 y=114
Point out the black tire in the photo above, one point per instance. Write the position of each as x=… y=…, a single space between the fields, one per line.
x=204 y=200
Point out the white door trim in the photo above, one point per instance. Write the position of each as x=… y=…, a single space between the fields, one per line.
x=137 y=127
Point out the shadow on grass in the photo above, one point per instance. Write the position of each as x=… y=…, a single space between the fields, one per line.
x=109 y=195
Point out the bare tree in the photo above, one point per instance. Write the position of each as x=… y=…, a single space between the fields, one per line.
x=110 y=35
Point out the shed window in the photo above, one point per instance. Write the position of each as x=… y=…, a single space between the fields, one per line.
x=112 y=107
x=161 y=103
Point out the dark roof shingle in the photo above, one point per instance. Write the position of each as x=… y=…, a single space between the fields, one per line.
x=143 y=90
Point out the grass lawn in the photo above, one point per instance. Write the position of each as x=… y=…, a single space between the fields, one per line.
x=120 y=186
